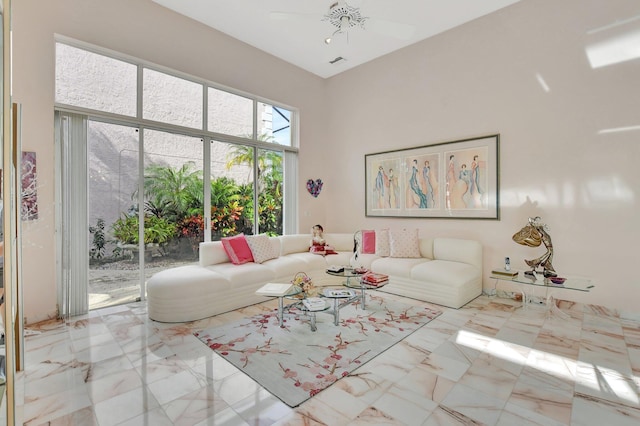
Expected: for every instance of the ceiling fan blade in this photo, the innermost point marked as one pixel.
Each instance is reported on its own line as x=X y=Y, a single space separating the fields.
x=388 y=28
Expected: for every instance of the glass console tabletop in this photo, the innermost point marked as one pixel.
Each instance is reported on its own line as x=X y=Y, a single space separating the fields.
x=580 y=284
x=538 y=280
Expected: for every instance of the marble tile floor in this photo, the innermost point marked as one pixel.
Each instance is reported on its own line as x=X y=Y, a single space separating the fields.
x=491 y=362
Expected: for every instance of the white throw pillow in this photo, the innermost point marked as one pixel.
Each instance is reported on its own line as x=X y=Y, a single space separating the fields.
x=261 y=248
x=382 y=242
x=404 y=243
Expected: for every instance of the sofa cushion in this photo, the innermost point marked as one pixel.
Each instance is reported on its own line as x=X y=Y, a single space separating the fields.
x=212 y=253
x=426 y=248
x=445 y=272
x=285 y=267
x=174 y=282
x=382 y=242
x=404 y=243
x=298 y=243
x=339 y=242
x=247 y=274
x=396 y=266
x=261 y=248
x=368 y=242
x=237 y=249
x=458 y=250
x=311 y=261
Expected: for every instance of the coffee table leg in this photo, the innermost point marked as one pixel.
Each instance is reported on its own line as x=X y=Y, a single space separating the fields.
x=362 y=297
x=281 y=311
x=336 y=312
x=312 y=317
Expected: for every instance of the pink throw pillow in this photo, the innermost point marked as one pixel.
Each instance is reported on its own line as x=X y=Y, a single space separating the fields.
x=237 y=249
x=368 y=242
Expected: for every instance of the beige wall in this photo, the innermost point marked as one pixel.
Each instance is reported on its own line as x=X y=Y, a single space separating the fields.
x=484 y=77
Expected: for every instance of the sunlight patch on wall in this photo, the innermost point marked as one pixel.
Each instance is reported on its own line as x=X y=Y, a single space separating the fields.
x=542 y=82
x=604 y=191
x=615 y=50
x=619 y=130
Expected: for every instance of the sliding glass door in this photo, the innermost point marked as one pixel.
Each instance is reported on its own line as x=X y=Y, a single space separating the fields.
x=173 y=199
x=112 y=159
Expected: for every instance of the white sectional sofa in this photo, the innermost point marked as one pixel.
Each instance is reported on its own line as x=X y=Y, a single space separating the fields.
x=215 y=285
x=449 y=272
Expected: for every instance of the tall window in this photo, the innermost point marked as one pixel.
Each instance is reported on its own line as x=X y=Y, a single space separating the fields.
x=205 y=163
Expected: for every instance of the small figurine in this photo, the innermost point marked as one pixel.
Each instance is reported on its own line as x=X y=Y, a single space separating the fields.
x=317 y=236
x=318 y=245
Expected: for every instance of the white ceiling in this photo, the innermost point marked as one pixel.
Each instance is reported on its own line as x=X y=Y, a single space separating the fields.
x=298 y=36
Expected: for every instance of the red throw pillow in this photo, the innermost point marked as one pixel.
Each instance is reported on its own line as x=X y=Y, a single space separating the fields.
x=237 y=249
x=368 y=242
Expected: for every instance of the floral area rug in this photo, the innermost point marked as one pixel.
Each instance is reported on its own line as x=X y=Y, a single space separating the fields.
x=294 y=363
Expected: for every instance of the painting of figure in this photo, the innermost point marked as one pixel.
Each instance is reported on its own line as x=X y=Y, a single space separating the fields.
x=386 y=186
x=466 y=179
x=421 y=173
x=456 y=179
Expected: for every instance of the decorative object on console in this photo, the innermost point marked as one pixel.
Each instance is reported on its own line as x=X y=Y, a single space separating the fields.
x=314 y=187
x=532 y=235
x=458 y=179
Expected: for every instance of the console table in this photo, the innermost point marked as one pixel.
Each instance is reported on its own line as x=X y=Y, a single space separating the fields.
x=537 y=280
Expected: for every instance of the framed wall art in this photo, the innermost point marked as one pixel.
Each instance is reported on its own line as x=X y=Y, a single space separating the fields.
x=457 y=180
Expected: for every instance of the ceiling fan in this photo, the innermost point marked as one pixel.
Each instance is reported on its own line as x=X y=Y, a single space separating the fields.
x=344 y=17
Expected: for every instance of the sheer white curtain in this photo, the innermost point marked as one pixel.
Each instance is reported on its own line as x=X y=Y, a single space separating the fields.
x=72 y=222
x=290 y=202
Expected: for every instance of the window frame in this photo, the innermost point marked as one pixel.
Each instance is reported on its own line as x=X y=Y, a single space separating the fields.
x=291 y=151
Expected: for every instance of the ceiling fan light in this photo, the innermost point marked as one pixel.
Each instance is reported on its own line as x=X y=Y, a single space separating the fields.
x=327 y=40
x=345 y=23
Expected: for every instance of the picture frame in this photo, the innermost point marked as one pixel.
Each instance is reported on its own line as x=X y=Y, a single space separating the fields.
x=450 y=180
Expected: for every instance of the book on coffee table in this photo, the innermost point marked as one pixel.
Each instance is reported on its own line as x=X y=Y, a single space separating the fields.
x=375 y=279
x=274 y=289
x=314 y=303
x=332 y=292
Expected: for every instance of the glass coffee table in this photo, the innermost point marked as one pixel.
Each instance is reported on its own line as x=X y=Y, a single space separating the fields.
x=341 y=298
x=348 y=273
x=363 y=287
x=294 y=296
